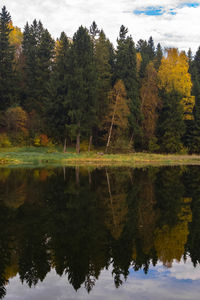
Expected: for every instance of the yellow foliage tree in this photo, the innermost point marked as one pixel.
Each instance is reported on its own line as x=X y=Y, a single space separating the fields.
x=16 y=119
x=117 y=117
x=138 y=60
x=173 y=75
x=16 y=37
x=149 y=103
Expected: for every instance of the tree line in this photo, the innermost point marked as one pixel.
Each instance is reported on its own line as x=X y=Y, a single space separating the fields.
x=84 y=92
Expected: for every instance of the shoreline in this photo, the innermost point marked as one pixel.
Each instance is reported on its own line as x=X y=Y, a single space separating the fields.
x=43 y=156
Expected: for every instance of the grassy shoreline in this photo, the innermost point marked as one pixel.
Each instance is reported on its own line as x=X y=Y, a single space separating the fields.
x=48 y=156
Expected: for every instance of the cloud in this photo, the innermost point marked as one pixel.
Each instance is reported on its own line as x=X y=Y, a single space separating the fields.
x=174 y=23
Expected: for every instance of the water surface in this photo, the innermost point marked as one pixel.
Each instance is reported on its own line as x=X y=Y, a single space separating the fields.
x=81 y=233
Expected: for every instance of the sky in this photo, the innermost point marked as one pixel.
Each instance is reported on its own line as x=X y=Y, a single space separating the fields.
x=173 y=23
x=180 y=282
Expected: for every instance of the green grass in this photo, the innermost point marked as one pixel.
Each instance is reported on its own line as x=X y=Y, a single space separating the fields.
x=55 y=156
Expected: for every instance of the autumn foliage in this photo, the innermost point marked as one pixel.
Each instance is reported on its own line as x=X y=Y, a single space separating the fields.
x=82 y=90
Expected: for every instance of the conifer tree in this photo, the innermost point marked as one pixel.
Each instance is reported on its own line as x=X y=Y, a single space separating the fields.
x=94 y=31
x=104 y=76
x=7 y=84
x=158 y=57
x=38 y=53
x=151 y=48
x=56 y=110
x=82 y=93
x=171 y=127
x=147 y=51
x=126 y=70
x=193 y=128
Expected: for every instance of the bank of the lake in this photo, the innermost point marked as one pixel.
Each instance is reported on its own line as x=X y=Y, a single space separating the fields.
x=55 y=156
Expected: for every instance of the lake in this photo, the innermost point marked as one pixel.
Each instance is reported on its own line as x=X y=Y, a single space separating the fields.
x=104 y=233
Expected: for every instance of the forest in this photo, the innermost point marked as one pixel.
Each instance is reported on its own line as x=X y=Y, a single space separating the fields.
x=86 y=93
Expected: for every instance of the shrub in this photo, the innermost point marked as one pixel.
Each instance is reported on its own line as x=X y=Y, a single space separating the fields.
x=153 y=146
x=84 y=146
x=42 y=140
x=4 y=140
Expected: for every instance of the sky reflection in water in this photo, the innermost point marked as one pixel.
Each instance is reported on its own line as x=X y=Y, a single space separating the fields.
x=181 y=281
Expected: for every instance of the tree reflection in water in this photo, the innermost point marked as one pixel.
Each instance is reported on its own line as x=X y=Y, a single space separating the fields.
x=80 y=221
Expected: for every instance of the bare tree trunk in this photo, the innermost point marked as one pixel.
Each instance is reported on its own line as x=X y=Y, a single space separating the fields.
x=65 y=146
x=77 y=176
x=90 y=144
x=78 y=143
x=131 y=140
x=111 y=125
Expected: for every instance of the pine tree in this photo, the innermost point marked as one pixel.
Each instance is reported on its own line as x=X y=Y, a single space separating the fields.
x=82 y=92
x=7 y=82
x=126 y=70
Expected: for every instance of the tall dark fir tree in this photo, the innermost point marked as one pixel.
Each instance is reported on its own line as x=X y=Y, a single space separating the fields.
x=7 y=82
x=82 y=92
x=171 y=126
x=193 y=136
x=56 y=108
x=38 y=52
x=126 y=70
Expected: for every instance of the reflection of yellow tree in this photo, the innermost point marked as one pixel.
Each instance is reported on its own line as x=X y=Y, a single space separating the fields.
x=170 y=242
x=116 y=209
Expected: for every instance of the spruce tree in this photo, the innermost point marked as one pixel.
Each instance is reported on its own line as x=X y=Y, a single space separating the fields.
x=147 y=51
x=7 y=83
x=158 y=57
x=38 y=54
x=171 y=127
x=151 y=48
x=82 y=93
x=126 y=70
x=104 y=76
x=56 y=110
x=193 y=128
x=45 y=57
